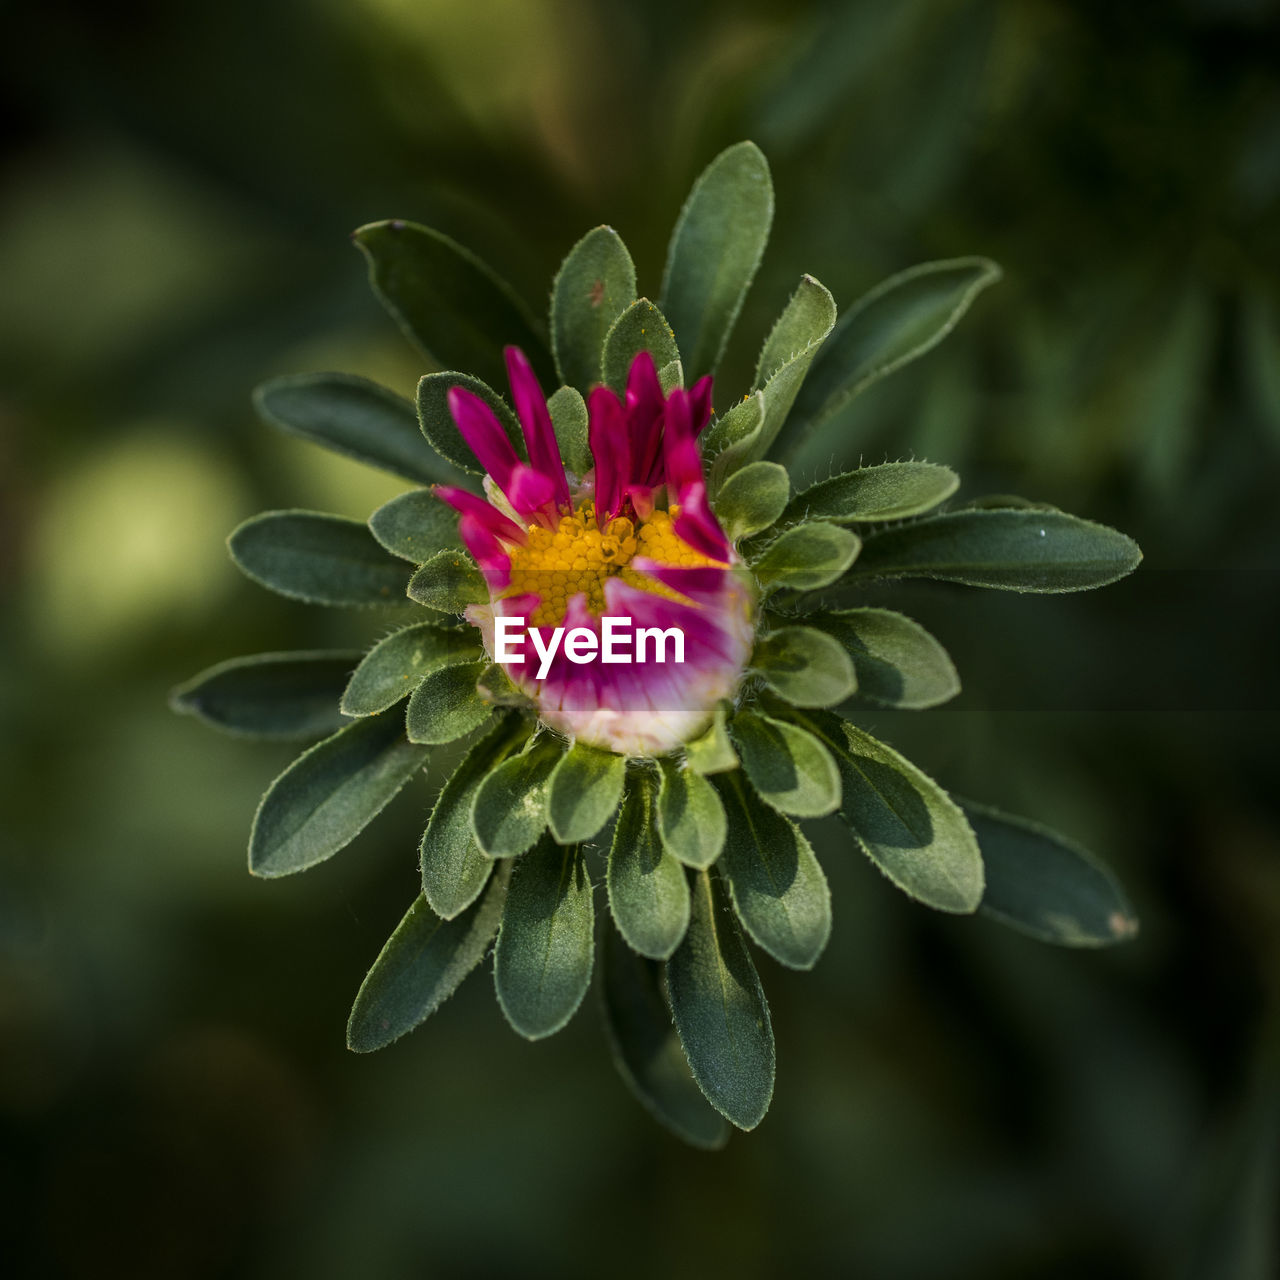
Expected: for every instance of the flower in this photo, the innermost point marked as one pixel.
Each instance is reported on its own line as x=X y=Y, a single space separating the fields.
x=634 y=538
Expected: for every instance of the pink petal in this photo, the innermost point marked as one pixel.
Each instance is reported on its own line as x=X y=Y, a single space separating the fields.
x=469 y=504
x=535 y=419
x=611 y=449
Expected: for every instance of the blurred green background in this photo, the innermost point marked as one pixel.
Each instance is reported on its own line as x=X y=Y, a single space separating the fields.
x=953 y=1100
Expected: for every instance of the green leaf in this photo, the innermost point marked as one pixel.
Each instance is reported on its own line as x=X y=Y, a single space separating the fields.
x=712 y=752
x=731 y=439
x=895 y=323
x=447 y=705
x=596 y=283
x=1040 y=551
x=648 y=893
x=806 y=557
x=641 y=327
x=788 y=766
x=542 y=963
x=329 y=794
x=421 y=966
x=752 y=499
x=898 y=663
x=805 y=667
x=569 y=418
x=448 y=582
x=1040 y=883
x=646 y=1049
x=717 y=244
x=777 y=886
x=454 y=869
x=270 y=695
x=910 y=828
x=720 y=1012
x=691 y=821
x=439 y=427
x=393 y=668
x=584 y=791
x=891 y=491
x=509 y=811
x=318 y=558
x=354 y=417
x=452 y=306
x=671 y=376
x=788 y=352
x=416 y=526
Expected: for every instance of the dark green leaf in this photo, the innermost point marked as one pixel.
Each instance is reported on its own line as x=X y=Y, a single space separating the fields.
x=326 y=797
x=392 y=669
x=542 y=965
x=646 y=1049
x=804 y=666
x=720 y=1011
x=648 y=893
x=910 y=828
x=455 y=309
x=806 y=557
x=752 y=499
x=454 y=869
x=422 y=965
x=595 y=285
x=584 y=791
x=788 y=766
x=641 y=327
x=447 y=705
x=448 y=582
x=318 y=558
x=891 y=491
x=1040 y=551
x=415 y=526
x=569 y=418
x=778 y=888
x=509 y=811
x=898 y=663
x=895 y=323
x=691 y=819
x=270 y=695
x=354 y=417
x=439 y=427
x=1041 y=883
x=711 y=751
x=731 y=439
x=715 y=249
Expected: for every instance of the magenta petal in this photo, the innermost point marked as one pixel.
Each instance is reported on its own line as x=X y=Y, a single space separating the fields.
x=487 y=552
x=698 y=582
x=607 y=436
x=535 y=419
x=698 y=526
x=468 y=504
x=483 y=433
x=700 y=404
x=529 y=491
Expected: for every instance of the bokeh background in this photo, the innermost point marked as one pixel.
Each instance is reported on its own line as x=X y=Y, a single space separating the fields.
x=178 y=185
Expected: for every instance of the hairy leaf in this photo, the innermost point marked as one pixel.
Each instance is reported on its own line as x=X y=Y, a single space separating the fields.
x=596 y=283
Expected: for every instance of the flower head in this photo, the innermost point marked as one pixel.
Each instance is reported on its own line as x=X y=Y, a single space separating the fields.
x=633 y=539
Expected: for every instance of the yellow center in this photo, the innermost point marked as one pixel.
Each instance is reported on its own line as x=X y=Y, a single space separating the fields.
x=577 y=557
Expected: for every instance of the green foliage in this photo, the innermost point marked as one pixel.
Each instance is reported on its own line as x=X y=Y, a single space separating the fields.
x=318 y=558
x=891 y=491
x=421 y=966
x=648 y=893
x=787 y=765
x=720 y=1012
x=354 y=417
x=898 y=663
x=806 y=667
x=646 y=1049
x=776 y=884
x=1012 y=550
x=641 y=327
x=1047 y=887
x=452 y=306
x=270 y=695
x=584 y=792
x=717 y=244
x=806 y=557
x=752 y=499
x=691 y=821
x=731 y=439
x=509 y=810
x=712 y=751
x=596 y=283
x=447 y=705
x=448 y=582
x=415 y=526
x=542 y=963
x=393 y=668
x=322 y=801
x=569 y=418
x=439 y=427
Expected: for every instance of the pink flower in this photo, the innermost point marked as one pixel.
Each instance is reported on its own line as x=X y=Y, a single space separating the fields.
x=634 y=540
